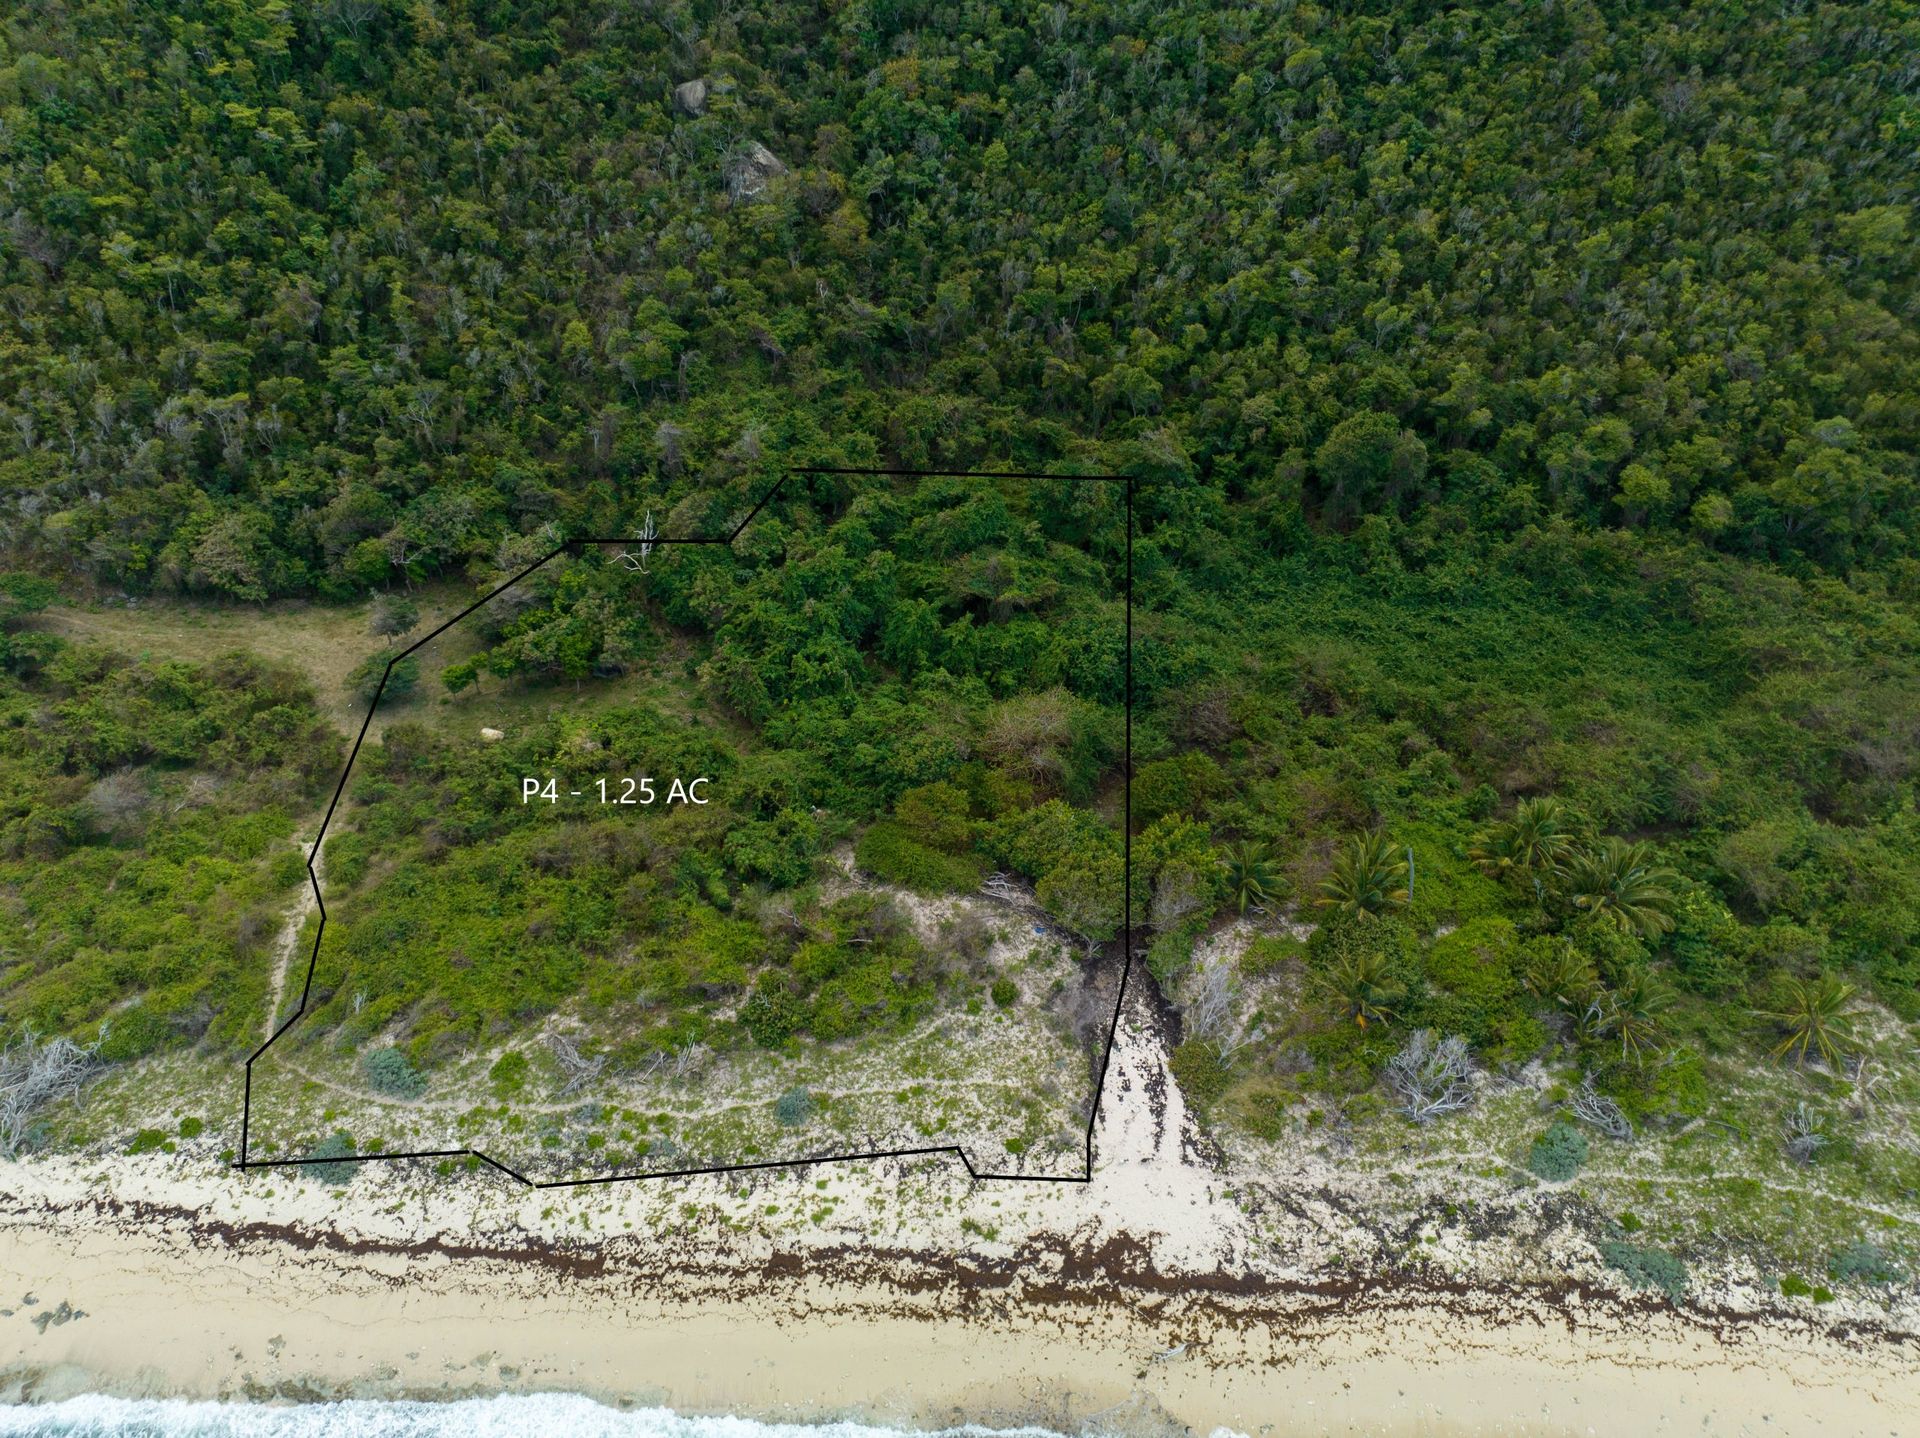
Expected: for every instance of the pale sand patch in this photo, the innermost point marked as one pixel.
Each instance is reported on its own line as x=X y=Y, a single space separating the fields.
x=1152 y=1291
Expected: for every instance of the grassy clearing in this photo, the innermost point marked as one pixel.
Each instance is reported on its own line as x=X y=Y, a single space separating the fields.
x=324 y=642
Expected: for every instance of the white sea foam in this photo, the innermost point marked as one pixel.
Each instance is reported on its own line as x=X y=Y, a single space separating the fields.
x=93 y=1416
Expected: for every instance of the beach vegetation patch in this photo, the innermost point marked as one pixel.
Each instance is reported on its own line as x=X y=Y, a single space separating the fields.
x=1202 y=1073
x=331 y=1150
x=794 y=1107
x=388 y=1071
x=1647 y=1267
x=1864 y=1261
x=150 y=1140
x=508 y=1074
x=1558 y=1154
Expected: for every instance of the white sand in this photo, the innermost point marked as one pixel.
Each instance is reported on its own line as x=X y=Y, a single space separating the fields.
x=1154 y=1295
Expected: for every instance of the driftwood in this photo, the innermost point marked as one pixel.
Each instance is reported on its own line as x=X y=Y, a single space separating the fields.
x=35 y=1072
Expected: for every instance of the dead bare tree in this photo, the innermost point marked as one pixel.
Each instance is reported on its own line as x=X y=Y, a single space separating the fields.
x=35 y=1072
x=1431 y=1078
x=1867 y=1081
x=1212 y=1008
x=1591 y=1106
x=1002 y=887
x=579 y=1069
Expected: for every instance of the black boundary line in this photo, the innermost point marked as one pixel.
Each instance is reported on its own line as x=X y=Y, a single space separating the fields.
x=1126 y=919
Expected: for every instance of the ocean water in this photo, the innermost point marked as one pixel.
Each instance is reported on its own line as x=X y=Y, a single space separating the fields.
x=502 y=1417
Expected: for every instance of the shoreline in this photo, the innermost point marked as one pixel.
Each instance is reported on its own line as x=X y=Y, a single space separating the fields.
x=168 y=1305
x=1169 y=1295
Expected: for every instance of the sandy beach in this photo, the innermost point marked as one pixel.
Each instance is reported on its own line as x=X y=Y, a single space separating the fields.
x=1153 y=1300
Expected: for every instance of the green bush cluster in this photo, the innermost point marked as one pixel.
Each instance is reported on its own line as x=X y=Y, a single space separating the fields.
x=144 y=841
x=508 y=1074
x=390 y=1072
x=794 y=1107
x=889 y=852
x=336 y=1145
x=1864 y=1261
x=1558 y=1154
x=1202 y=1074
x=1647 y=1267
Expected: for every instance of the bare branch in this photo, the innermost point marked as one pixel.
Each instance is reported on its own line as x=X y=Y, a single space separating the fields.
x=1591 y=1106
x=579 y=1069
x=35 y=1072
x=1431 y=1078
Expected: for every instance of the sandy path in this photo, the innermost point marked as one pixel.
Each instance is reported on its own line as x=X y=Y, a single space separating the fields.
x=288 y=939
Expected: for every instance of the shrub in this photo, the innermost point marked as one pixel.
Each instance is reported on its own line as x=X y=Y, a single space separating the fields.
x=365 y=679
x=771 y=1016
x=1559 y=1153
x=1005 y=992
x=1647 y=1268
x=794 y=1107
x=896 y=856
x=1201 y=1072
x=333 y=1146
x=936 y=817
x=148 y=1140
x=508 y=1074
x=389 y=1072
x=1472 y=970
x=778 y=851
x=192 y=1127
x=1794 y=1286
x=1171 y=952
x=1863 y=1262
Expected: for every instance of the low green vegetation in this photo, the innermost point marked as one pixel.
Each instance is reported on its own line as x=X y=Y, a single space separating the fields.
x=1557 y=1155
x=334 y=1146
x=1864 y=1262
x=1647 y=1267
x=145 y=840
x=389 y=1072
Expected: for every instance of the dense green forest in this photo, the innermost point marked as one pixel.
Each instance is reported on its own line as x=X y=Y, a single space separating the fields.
x=1522 y=402
x=307 y=298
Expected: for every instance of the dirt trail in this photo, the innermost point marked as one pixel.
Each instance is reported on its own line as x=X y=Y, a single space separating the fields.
x=288 y=939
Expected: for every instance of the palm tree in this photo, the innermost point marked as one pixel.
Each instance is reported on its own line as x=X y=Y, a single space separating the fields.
x=1361 y=985
x=1812 y=1013
x=1367 y=876
x=1633 y=1015
x=1535 y=843
x=1251 y=875
x=1563 y=978
x=1622 y=884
